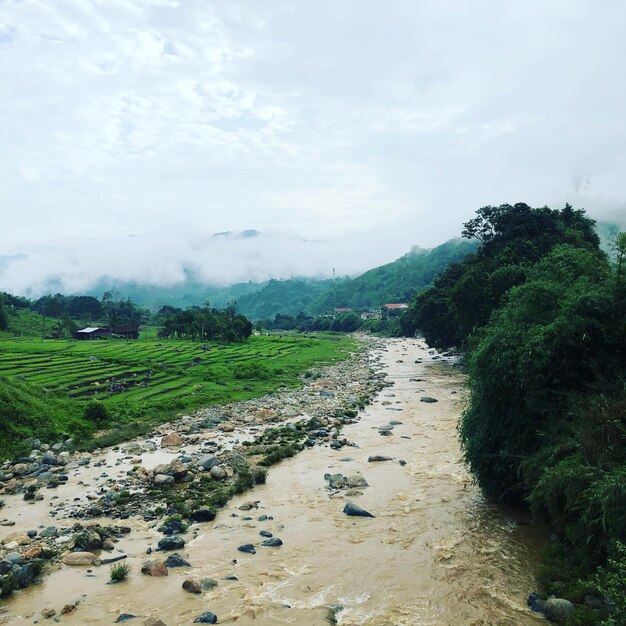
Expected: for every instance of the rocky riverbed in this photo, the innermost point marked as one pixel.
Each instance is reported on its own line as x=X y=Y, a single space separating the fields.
x=373 y=521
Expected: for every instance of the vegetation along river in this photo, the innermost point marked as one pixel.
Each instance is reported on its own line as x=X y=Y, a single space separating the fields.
x=434 y=554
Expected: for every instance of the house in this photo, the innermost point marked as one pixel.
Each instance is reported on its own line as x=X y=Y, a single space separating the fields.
x=126 y=331
x=394 y=309
x=395 y=306
x=121 y=331
x=370 y=315
x=92 y=333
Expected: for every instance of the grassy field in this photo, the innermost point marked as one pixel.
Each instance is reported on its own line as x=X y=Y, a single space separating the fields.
x=153 y=379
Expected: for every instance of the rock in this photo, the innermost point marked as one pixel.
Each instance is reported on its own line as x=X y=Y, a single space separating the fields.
x=428 y=399
x=49 y=458
x=273 y=542
x=203 y=514
x=266 y=533
x=206 y=618
x=164 y=479
x=356 y=481
x=208 y=584
x=49 y=533
x=557 y=609
x=218 y=473
x=33 y=553
x=355 y=510
x=377 y=458
x=67 y=609
x=26 y=574
x=174 y=542
x=247 y=547
x=175 y=468
x=125 y=617
x=89 y=540
x=192 y=586
x=79 y=558
x=154 y=621
x=208 y=462
x=535 y=603
x=248 y=506
x=48 y=613
x=175 y=560
x=154 y=568
x=171 y=441
x=336 y=481
x=5 y=567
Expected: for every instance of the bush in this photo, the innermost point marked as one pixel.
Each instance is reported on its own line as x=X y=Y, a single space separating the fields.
x=95 y=412
x=119 y=572
x=253 y=370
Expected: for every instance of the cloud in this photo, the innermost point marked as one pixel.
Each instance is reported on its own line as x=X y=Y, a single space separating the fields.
x=350 y=123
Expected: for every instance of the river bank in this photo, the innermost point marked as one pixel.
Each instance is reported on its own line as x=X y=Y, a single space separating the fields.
x=434 y=553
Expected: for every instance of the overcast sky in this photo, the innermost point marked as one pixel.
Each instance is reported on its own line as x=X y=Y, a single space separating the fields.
x=345 y=130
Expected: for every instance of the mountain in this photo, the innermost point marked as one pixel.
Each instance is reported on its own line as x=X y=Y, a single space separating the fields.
x=288 y=297
x=394 y=282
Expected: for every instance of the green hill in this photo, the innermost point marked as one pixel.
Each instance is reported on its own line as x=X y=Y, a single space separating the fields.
x=288 y=297
x=27 y=410
x=394 y=282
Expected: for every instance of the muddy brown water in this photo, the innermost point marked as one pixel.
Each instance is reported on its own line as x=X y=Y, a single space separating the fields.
x=435 y=554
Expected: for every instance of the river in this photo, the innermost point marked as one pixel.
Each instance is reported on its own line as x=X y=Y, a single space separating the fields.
x=434 y=554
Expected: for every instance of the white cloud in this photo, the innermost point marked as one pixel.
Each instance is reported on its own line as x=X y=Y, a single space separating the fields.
x=393 y=121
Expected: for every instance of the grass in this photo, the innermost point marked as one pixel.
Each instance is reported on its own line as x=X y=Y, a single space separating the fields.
x=119 y=572
x=141 y=383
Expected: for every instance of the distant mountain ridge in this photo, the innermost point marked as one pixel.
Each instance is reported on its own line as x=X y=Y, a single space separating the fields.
x=397 y=281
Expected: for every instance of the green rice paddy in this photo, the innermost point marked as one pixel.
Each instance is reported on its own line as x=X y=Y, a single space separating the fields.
x=132 y=377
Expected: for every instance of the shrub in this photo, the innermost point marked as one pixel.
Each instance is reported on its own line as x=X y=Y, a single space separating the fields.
x=95 y=412
x=252 y=370
x=119 y=572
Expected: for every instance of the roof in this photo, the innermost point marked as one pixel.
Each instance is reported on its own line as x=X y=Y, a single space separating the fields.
x=342 y=310
x=90 y=329
x=397 y=305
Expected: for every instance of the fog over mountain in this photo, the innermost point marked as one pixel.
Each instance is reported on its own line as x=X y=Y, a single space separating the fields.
x=344 y=132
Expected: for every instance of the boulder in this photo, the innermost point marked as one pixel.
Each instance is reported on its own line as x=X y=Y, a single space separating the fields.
x=248 y=548
x=171 y=441
x=557 y=609
x=164 y=479
x=79 y=558
x=154 y=568
x=428 y=399
x=174 y=542
x=218 y=473
x=272 y=542
x=355 y=510
x=356 y=481
x=192 y=586
x=377 y=458
x=175 y=560
x=206 y=618
x=175 y=468
x=203 y=514
x=208 y=461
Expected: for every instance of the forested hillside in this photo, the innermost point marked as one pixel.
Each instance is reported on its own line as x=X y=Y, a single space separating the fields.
x=394 y=282
x=540 y=310
x=288 y=297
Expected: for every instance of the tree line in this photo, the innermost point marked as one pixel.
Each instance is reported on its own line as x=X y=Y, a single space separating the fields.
x=540 y=312
x=204 y=323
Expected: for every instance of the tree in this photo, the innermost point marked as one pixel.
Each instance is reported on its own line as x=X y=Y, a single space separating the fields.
x=619 y=251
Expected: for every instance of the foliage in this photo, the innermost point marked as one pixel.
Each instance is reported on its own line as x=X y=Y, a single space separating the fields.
x=252 y=370
x=119 y=572
x=513 y=239
x=206 y=324
x=95 y=412
x=27 y=411
x=394 y=282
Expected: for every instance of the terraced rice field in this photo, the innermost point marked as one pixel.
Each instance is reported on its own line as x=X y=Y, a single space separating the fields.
x=163 y=373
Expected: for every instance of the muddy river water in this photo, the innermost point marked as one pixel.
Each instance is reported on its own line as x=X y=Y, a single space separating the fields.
x=434 y=554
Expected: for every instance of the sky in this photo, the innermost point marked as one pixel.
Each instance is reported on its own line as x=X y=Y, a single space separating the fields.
x=345 y=131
